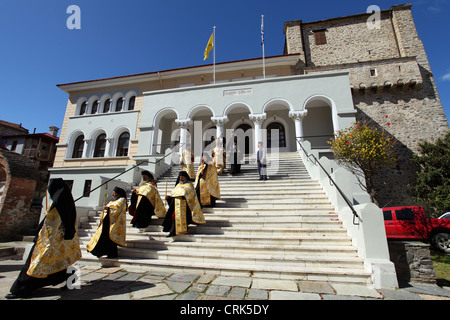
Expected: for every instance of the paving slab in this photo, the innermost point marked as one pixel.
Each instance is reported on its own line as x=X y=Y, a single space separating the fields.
x=315 y=287
x=233 y=281
x=92 y=276
x=198 y=287
x=206 y=278
x=158 y=289
x=219 y=291
x=274 y=284
x=167 y=297
x=237 y=293
x=290 y=295
x=130 y=277
x=356 y=290
x=182 y=277
x=115 y=276
x=428 y=289
x=338 y=297
x=395 y=294
x=121 y=297
x=109 y=270
x=178 y=286
x=257 y=294
x=189 y=296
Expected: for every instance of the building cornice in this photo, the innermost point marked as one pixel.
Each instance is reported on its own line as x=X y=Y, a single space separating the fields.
x=249 y=64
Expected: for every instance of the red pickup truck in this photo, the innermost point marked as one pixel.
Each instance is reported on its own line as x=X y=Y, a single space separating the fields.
x=409 y=223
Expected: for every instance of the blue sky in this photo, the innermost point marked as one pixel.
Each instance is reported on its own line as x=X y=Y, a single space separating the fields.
x=38 y=51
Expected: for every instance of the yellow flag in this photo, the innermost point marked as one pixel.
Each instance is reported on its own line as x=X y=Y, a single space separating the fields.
x=209 y=46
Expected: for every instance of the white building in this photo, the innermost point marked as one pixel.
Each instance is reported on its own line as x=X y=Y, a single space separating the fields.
x=112 y=124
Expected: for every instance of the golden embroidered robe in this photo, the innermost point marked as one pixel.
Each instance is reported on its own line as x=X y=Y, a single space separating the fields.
x=51 y=252
x=117 y=224
x=149 y=191
x=145 y=201
x=184 y=197
x=208 y=182
x=187 y=161
x=219 y=158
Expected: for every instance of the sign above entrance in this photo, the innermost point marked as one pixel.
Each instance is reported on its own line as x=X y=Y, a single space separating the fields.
x=237 y=92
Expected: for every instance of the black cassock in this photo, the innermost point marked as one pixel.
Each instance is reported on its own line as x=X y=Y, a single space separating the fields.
x=169 y=221
x=105 y=246
x=65 y=205
x=142 y=215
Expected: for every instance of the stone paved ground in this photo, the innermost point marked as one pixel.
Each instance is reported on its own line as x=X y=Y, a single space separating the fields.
x=117 y=283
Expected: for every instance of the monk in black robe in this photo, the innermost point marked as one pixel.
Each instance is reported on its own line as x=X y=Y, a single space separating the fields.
x=184 y=207
x=112 y=229
x=207 y=183
x=146 y=202
x=56 y=245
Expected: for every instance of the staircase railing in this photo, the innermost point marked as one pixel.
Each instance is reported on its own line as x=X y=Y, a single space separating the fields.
x=122 y=173
x=332 y=182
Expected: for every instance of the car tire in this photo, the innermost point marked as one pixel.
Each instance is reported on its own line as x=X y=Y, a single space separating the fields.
x=441 y=241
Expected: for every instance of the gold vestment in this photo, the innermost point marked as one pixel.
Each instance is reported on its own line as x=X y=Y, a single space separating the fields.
x=51 y=253
x=209 y=184
x=149 y=191
x=117 y=224
x=184 y=194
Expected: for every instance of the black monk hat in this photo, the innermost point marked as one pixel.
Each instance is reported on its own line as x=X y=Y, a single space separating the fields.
x=120 y=192
x=147 y=173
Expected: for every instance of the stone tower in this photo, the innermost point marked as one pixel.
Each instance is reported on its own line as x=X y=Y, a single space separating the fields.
x=391 y=81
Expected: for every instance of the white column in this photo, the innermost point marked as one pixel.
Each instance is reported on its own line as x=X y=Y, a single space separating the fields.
x=183 y=133
x=257 y=121
x=298 y=117
x=219 y=122
x=87 y=142
x=108 y=147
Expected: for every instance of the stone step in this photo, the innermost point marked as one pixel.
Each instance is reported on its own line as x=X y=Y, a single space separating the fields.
x=266 y=258
x=280 y=271
x=233 y=239
x=284 y=228
x=251 y=221
x=248 y=230
x=313 y=250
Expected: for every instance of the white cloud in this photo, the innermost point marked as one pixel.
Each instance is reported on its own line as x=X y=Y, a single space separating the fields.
x=446 y=77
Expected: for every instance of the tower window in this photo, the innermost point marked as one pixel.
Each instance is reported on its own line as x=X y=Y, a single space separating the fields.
x=320 y=37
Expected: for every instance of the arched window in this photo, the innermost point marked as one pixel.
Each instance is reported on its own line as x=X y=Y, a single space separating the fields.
x=281 y=134
x=107 y=106
x=83 y=108
x=100 y=146
x=78 y=147
x=132 y=103
x=94 y=107
x=119 y=105
x=123 y=145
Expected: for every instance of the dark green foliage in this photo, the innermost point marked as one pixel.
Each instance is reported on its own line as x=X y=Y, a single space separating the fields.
x=433 y=181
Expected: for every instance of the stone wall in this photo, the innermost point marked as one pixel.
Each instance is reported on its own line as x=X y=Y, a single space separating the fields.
x=412 y=261
x=401 y=97
x=18 y=176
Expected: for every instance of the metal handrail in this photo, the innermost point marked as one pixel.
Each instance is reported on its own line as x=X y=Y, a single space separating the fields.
x=333 y=183
x=88 y=193
x=159 y=160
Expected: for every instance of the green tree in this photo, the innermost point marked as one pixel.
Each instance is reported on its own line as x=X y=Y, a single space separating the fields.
x=363 y=149
x=433 y=180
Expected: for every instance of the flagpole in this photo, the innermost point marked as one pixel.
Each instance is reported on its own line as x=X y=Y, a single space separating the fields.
x=214 y=54
x=262 y=43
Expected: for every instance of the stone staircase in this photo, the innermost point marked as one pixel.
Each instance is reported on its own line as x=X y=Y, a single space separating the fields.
x=283 y=228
